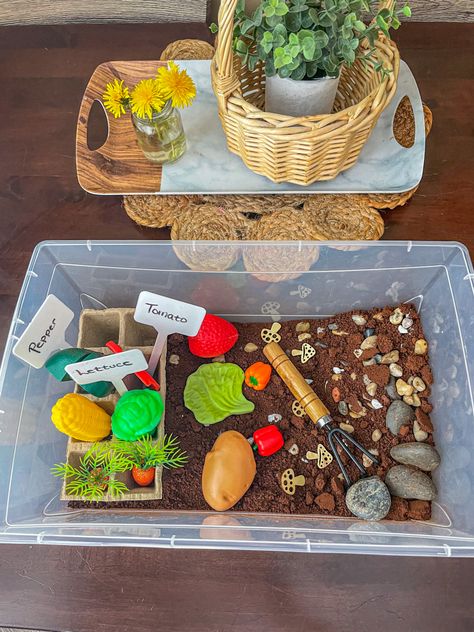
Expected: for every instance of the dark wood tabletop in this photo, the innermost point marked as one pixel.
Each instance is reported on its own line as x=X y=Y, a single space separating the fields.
x=43 y=72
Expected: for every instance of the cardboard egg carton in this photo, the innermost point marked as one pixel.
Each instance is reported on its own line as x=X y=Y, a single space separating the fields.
x=96 y=327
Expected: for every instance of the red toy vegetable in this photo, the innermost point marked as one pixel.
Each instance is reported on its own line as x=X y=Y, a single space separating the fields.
x=258 y=375
x=268 y=440
x=143 y=477
x=215 y=337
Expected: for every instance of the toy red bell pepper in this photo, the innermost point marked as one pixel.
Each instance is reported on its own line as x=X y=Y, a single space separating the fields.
x=268 y=440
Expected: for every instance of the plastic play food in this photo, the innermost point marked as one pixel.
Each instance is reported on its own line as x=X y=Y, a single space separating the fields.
x=136 y=414
x=79 y=418
x=258 y=375
x=214 y=392
x=215 y=337
x=143 y=477
x=58 y=361
x=268 y=440
x=229 y=470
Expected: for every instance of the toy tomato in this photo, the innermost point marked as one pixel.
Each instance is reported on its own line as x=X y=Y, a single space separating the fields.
x=258 y=375
x=268 y=440
x=143 y=477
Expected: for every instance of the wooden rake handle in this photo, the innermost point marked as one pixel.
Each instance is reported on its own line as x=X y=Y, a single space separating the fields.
x=301 y=390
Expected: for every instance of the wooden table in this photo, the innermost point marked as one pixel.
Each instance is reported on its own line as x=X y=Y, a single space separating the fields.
x=43 y=73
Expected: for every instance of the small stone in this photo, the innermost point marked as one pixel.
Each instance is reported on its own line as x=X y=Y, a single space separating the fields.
x=335 y=377
x=370 y=362
x=408 y=482
x=320 y=344
x=420 y=455
x=325 y=501
x=319 y=482
x=274 y=418
x=332 y=326
x=367 y=461
x=398 y=415
x=174 y=358
x=308 y=380
x=376 y=435
x=369 y=343
x=410 y=380
x=378 y=358
x=391 y=357
x=294 y=449
x=358 y=352
x=395 y=370
x=391 y=389
x=378 y=316
x=346 y=427
x=340 y=333
x=340 y=476
x=403 y=388
x=376 y=405
x=421 y=347
x=424 y=421
x=369 y=332
x=337 y=370
x=343 y=408
x=320 y=330
x=303 y=337
x=407 y=322
x=311 y=456
x=402 y=329
x=353 y=376
x=250 y=347
x=302 y=327
x=220 y=358
x=336 y=394
x=419 y=434
x=371 y=388
x=418 y=384
x=416 y=400
x=396 y=316
x=369 y=499
x=366 y=379
x=359 y=320
x=408 y=399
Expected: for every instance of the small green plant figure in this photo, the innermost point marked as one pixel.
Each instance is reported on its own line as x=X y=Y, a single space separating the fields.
x=146 y=454
x=93 y=478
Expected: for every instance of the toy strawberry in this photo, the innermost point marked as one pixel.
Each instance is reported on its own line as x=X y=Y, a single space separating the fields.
x=215 y=337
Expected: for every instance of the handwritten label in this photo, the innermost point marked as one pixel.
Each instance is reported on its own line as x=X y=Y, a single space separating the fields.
x=45 y=334
x=167 y=316
x=111 y=368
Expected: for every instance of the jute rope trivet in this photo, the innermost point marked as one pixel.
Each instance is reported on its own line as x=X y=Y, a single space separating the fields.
x=267 y=217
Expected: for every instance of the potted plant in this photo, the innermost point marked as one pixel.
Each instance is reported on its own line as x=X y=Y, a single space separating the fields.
x=304 y=44
x=94 y=476
x=147 y=454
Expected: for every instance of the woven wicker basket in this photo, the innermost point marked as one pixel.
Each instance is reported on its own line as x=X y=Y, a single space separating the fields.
x=306 y=149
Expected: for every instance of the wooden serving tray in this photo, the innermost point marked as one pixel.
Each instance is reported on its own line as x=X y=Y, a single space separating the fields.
x=119 y=165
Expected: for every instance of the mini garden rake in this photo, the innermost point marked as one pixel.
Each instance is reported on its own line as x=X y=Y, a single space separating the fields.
x=309 y=402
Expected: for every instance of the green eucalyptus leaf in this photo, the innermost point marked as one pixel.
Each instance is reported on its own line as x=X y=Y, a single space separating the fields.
x=270 y=70
x=311 y=69
x=241 y=47
x=257 y=15
x=300 y=72
x=406 y=11
x=284 y=72
x=214 y=392
x=246 y=26
x=293 y=22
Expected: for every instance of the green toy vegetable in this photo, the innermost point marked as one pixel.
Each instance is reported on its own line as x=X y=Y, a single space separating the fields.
x=136 y=414
x=214 y=392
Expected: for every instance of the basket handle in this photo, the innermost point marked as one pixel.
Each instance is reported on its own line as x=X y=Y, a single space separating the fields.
x=226 y=80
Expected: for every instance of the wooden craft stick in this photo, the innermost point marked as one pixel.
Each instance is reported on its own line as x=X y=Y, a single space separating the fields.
x=302 y=391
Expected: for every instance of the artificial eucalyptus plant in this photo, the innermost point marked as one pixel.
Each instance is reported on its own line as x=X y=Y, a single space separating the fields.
x=303 y=39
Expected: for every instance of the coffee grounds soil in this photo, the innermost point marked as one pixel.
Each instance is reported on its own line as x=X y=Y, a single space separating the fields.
x=323 y=493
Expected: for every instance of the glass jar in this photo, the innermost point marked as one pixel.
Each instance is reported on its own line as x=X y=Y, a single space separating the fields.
x=161 y=138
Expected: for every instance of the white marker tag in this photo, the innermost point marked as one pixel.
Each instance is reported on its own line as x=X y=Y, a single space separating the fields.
x=45 y=334
x=167 y=316
x=111 y=368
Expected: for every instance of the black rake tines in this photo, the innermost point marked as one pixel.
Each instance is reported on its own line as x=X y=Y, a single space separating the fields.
x=342 y=438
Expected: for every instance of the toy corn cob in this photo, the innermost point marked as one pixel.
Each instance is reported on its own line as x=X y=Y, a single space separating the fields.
x=81 y=419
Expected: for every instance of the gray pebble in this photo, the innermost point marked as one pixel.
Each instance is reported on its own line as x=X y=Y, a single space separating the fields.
x=391 y=389
x=332 y=326
x=369 y=499
x=420 y=455
x=369 y=332
x=407 y=482
x=378 y=358
x=398 y=414
x=342 y=408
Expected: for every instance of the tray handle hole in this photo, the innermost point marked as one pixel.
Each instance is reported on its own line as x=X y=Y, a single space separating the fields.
x=404 y=123
x=97 y=127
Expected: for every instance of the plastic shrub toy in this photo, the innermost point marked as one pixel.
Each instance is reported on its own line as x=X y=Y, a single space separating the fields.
x=214 y=392
x=94 y=477
x=79 y=418
x=147 y=454
x=258 y=375
x=136 y=414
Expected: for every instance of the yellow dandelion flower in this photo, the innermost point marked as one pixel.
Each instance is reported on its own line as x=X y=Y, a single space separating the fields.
x=146 y=98
x=116 y=97
x=176 y=85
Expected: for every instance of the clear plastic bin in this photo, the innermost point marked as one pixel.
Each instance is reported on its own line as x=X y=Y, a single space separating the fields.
x=438 y=277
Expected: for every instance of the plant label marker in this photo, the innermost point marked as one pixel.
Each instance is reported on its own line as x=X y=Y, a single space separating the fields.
x=45 y=334
x=111 y=368
x=167 y=316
